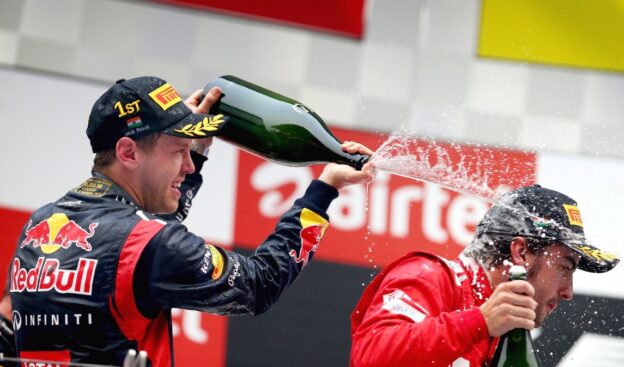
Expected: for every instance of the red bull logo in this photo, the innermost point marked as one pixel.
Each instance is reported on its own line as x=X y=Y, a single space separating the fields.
x=314 y=227
x=58 y=232
x=47 y=276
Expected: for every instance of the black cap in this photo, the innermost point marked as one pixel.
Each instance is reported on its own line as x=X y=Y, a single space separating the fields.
x=545 y=215
x=145 y=105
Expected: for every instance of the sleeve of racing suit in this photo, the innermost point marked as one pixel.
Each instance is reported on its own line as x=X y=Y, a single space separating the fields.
x=178 y=269
x=411 y=320
x=190 y=187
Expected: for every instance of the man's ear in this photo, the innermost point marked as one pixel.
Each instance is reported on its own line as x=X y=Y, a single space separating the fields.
x=126 y=152
x=519 y=249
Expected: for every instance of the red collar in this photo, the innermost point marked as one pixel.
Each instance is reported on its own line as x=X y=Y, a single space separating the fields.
x=479 y=282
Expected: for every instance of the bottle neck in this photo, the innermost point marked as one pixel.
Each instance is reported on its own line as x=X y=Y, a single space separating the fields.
x=356 y=161
x=518 y=336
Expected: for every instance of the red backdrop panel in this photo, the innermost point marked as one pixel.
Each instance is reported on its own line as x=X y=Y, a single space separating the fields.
x=199 y=338
x=12 y=222
x=345 y=17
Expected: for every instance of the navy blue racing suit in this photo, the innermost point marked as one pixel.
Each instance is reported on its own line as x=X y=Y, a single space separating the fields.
x=94 y=275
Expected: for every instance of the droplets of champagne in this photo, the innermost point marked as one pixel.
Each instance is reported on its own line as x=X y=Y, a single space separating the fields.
x=406 y=154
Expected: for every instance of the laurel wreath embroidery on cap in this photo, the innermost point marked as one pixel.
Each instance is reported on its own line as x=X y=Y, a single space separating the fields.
x=208 y=124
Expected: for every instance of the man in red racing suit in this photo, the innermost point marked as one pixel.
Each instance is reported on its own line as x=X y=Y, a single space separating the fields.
x=424 y=310
x=395 y=314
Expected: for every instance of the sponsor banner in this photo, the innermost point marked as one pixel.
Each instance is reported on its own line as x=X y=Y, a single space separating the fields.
x=199 y=338
x=12 y=222
x=570 y=33
x=372 y=225
x=344 y=17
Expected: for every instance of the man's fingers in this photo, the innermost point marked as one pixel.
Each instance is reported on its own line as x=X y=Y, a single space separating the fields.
x=500 y=318
x=353 y=148
x=211 y=97
x=361 y=177
x=193 y=100
x=195 y=95
x=198 y=103
x=519 y=287
x=522 y=312
x=521 y=322
x=339 y=175
x=369 y=167
x=510 y=306
x=515 y=299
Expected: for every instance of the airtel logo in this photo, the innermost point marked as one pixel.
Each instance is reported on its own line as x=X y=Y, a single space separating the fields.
x=405 y=210
x=390 y=211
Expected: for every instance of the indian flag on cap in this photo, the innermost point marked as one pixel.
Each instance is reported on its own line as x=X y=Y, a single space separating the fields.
x=134 y=122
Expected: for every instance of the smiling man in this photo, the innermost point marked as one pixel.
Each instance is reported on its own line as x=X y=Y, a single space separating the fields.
x=97 y=272
x=424 y=310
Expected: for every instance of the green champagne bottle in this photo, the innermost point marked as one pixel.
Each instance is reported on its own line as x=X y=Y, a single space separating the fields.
x=276 y=127
x=515 y=348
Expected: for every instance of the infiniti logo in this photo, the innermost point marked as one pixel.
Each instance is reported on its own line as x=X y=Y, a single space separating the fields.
x=17 y=320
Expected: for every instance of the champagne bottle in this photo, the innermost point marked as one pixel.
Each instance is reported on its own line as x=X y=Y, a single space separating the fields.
x=276 y=127
x=515 y=348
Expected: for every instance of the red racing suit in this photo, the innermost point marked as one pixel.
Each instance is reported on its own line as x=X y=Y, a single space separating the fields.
x=94 y=275
x=422 y=310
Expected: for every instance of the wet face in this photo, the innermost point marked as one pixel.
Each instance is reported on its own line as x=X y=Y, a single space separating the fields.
x=162 y=170
x=550 y=272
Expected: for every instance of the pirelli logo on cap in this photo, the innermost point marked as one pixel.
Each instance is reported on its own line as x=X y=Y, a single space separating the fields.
x=574 y=215
x=165 y=96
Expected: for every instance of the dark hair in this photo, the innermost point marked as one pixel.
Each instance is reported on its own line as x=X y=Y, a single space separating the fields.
x=105 y=158
x=491 y=251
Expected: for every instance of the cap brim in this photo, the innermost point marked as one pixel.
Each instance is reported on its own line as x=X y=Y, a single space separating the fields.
x=197 y=126
x=593 y=259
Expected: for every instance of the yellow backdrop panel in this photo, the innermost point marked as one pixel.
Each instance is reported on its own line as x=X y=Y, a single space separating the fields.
x=580 y=33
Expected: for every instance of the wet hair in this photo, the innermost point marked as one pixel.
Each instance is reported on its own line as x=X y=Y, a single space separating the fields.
x=491 y=251
x=105 y=158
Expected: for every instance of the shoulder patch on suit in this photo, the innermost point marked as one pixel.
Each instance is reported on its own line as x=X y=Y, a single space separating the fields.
x=217 y=262
x=460 y=275
x=93 y=186
x=313 y=227
x=399 y=303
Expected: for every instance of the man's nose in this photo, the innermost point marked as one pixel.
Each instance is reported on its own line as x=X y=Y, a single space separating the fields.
x=188 y=166
x=567 y=290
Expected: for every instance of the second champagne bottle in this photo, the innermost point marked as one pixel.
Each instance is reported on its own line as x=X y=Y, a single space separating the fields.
x=515 y=348
x=276 y=127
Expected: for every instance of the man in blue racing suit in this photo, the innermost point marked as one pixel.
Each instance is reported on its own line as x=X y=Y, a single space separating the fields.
x=97 y=272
